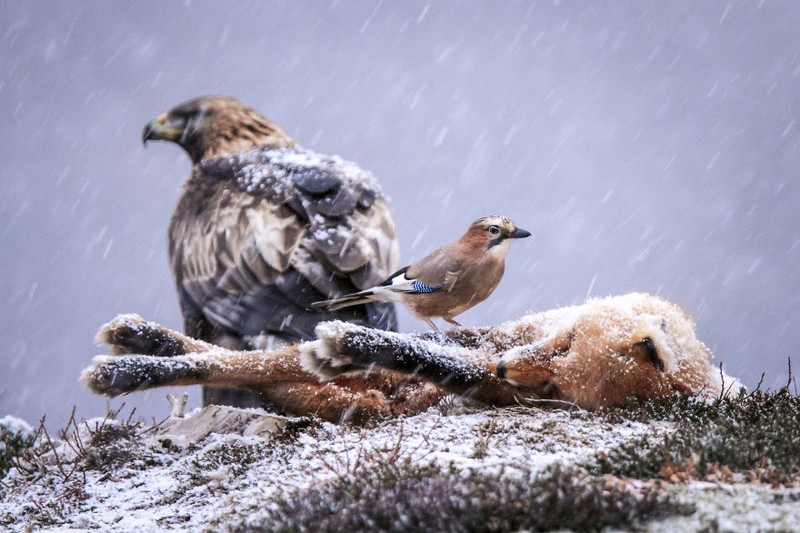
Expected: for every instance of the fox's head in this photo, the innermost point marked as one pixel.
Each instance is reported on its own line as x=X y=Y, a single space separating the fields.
x=611 y=349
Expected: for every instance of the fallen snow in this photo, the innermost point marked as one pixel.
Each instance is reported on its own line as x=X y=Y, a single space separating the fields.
x=172 y=482
x=13 y=424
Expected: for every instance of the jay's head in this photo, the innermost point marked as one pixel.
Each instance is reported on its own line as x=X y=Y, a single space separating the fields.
x=494 y=233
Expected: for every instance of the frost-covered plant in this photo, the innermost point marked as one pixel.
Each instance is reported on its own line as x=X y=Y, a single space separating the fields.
x=15 y=436
x=432 y=499
x=232 y=455
x=755 y=434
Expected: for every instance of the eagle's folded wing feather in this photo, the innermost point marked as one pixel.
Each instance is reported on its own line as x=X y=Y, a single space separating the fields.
x=289 y=228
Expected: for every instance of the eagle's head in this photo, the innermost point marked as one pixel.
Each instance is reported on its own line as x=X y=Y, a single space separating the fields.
x=213 y=126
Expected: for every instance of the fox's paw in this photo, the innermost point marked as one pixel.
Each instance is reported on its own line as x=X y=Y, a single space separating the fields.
x=131 y=334
x=324 y=357
x=113 y=376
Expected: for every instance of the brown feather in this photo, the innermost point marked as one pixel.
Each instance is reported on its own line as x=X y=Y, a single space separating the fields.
x=264 y=227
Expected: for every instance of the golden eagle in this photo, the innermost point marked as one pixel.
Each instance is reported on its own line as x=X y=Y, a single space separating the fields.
x=264 y=228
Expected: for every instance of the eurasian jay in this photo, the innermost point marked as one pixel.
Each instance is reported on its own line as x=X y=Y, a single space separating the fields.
x=449 y=281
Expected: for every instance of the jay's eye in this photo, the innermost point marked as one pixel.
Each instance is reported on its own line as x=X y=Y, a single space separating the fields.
x=494 y=230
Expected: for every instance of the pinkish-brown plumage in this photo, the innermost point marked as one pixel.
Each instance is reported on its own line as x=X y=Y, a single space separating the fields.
x=449 y=281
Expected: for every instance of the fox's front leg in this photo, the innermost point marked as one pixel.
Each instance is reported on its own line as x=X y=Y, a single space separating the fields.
x=344 y=347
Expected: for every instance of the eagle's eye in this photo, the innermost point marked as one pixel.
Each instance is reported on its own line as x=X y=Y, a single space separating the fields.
x=178 y=120
x=494 y=230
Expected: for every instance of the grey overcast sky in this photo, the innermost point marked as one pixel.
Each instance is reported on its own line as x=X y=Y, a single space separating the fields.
x=649 y=146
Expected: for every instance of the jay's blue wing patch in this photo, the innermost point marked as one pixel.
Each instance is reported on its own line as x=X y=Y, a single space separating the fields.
x=418 y=286
x=398 y=282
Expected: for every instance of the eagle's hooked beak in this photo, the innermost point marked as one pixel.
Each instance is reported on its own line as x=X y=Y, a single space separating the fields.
x=158 y=130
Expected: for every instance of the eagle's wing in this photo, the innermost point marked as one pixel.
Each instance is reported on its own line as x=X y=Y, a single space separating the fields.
x=258 y=236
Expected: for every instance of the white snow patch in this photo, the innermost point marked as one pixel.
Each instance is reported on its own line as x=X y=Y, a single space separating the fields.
x=14 y=425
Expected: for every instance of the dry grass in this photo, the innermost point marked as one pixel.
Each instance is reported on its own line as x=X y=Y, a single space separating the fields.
x=63 y=461
x=431 y=499
x=752 y=436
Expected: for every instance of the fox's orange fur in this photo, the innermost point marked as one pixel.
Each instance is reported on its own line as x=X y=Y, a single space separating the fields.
x=606 y=350
x=593 y=355
x=173 y=359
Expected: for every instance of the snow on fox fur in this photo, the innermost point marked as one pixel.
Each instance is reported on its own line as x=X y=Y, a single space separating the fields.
x=593 y=355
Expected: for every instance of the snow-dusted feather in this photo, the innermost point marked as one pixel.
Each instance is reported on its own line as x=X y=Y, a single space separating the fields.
x=264 y=227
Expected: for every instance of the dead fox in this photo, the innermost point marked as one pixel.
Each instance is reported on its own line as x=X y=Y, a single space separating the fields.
x=592 y=355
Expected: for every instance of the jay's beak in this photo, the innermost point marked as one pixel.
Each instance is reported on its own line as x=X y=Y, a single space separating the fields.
x=519 y=233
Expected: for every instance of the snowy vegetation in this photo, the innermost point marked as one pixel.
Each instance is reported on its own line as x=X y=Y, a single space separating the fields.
x=679 y=464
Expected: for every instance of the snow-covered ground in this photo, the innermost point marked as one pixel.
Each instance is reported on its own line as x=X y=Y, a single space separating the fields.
x=179 y=476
